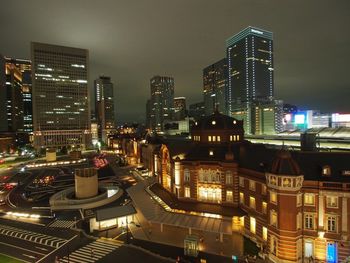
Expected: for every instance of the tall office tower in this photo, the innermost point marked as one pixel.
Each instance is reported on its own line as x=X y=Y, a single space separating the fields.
x=196 y=110
x=179 y=108
x=3 y=109
x=25 y=66
x=162 y=101
x=104 y=107
x=11 y=97
x=214 y=87
x=61 y=114
x=250 y=71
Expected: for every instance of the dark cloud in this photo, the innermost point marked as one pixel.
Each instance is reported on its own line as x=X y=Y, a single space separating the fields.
x=133 y=40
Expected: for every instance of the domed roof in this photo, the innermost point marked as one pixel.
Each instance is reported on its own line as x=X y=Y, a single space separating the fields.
x=217 y=121
x=284 y=164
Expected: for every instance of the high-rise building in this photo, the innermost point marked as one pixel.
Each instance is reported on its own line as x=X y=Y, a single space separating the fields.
x=61 y=114
x=162 y=101
x=12 y=97
x=196 y=110
x=104 y=106
x=250 y=71
x=3 y=100
x=214 y=87
x=25 y=67
x=179 y=108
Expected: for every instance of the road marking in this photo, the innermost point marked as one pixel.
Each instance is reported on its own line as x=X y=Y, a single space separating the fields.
x=6 y=244
x=42 y=248
x=57 y=248
x=30 y=256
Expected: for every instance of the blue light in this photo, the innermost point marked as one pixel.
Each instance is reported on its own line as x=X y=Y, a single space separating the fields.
x=331 y=253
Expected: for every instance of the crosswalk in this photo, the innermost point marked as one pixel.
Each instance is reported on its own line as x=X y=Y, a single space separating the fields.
x=92 y=252
x=62 y=224
x=31 y=236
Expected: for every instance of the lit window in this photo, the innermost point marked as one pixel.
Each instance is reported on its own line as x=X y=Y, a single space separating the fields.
x=229 y=196
x=332 y=201
x=241 y=181
x=187 y=175
x=273 y=218
x=241 y=198
x=309 y=199
x=237 y=137
x=251 y=185
x=273 y=197
x=230 y=138
x=264 y=207
x=229 y=177
x=252 y=225
x=264 y=233
x=214 y=138
x=187 y=192
x=209 y=138
x=326 y=170
x=263 y=189
x=309 y=221
x=211 y=153
x=331 y=223
x=219 y=138
x=252 y=202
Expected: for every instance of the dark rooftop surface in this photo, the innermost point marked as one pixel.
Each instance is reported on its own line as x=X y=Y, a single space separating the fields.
x=174 y=203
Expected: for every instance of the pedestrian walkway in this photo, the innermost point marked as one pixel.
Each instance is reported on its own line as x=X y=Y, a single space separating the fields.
x=62 y=224
x=31 y=236
x=92 y=252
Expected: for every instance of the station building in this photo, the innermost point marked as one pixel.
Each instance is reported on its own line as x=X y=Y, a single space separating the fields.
x=292 y=204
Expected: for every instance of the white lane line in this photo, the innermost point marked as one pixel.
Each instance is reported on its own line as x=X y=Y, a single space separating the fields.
x=29 y=256
x=42 y=248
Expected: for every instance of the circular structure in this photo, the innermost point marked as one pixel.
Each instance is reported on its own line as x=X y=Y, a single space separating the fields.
x=86 y=183
x=51 y=155
x=64 y=200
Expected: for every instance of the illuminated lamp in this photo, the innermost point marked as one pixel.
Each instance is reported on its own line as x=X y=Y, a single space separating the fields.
x=321 y=234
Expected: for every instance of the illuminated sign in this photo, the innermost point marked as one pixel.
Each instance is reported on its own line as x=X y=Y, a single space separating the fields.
x=288 y=117
x=336 y=117
x=299 y=119
x=257 y=31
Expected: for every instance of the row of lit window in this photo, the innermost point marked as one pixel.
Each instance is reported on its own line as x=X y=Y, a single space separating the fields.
x=252 y=228
x=252 y=203
x=216 y=197
x=252 y=185
x=310 y=222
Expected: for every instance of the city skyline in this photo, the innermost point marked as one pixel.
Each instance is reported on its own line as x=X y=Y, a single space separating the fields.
x=304 y=73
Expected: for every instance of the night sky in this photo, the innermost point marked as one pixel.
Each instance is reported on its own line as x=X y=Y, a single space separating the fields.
x=133 y=40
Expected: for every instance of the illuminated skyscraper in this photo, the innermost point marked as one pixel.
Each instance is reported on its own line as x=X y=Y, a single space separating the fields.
x=60 y=96
x=179 y=108
x=25 y=66
x=11 y=97
x=214 y=87
x=104 y=106
x=162 y=101
x=250 y=71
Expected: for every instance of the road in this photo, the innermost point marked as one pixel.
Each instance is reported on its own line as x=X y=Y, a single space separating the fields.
x=32 y=243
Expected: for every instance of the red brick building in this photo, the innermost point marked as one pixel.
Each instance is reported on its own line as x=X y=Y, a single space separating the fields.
x=294 y=205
